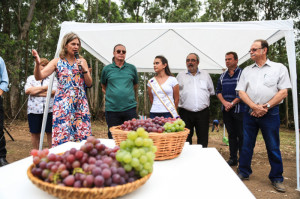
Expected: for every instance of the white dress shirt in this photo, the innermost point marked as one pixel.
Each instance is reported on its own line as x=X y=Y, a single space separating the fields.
x=195 y=90
x=262 y=83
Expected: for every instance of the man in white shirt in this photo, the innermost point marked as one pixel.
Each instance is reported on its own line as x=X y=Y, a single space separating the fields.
x=262 y=86
x=195 y=89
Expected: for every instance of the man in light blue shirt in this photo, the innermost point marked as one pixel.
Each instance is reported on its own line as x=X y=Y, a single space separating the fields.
x=3 y=88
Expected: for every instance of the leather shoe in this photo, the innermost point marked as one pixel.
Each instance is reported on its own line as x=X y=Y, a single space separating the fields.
x=278 y=186
x=232 y=162
x=243 y=177
x=3 y=162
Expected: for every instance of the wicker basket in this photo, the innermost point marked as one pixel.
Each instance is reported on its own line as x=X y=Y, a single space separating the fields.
x=169 y=145
x=86 y=193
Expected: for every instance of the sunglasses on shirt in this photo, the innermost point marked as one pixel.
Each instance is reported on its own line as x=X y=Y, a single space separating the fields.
x=119 y=51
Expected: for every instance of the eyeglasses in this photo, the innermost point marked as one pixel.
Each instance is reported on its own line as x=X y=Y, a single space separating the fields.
x=192 y=60
x=254 y=49
x=119 y=51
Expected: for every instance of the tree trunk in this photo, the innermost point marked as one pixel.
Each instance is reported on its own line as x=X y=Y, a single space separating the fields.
x=16 y=67
x=109 y=12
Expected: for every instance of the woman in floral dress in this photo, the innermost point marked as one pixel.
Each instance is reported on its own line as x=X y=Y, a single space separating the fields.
x=71 y=115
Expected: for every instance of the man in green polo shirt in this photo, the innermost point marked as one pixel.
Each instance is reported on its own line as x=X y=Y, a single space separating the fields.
x=119 y=81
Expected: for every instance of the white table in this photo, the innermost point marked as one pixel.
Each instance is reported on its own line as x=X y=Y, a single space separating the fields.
x=196 y=173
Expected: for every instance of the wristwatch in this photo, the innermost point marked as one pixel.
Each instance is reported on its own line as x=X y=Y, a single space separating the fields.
x=268 y=105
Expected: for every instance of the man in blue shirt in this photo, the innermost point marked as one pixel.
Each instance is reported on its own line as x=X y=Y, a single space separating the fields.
x=3 y=88
x=232 y=107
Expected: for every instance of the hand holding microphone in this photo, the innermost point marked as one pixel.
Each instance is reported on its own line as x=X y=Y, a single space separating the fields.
x=77 y=57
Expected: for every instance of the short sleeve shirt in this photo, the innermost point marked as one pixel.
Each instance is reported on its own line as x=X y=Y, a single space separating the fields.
x=167 y=86
x=262 y=83
x=119 y=82
x=195 y=90
x=36 y=104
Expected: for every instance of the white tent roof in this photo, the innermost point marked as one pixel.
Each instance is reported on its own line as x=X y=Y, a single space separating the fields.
x=175 y=41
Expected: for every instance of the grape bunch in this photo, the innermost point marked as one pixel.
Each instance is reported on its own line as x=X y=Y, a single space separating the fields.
x=94 y=165
x=151 y=125
x=176 y=126
x=137 y=152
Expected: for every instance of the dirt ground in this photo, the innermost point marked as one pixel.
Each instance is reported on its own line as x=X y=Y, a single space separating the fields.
x=258 y=184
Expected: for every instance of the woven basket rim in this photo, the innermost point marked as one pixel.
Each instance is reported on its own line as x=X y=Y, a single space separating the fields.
x=117 y=129
x=40 y=183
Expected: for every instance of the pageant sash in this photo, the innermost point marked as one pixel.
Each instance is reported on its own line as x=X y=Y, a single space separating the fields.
x=163 y=97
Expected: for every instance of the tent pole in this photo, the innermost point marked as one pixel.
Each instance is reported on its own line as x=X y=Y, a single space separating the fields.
x=45 y=116
x=290 y=48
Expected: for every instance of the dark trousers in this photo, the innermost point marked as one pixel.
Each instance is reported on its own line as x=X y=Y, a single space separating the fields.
x=234 y=126
x=2 y=137
x=118 y=118
x=198 y=120
x=269 y=125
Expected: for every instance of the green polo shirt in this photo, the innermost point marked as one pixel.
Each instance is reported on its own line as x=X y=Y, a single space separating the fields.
x=119 y=83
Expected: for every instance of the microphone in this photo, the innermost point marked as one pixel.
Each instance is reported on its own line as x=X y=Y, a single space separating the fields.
x=77 y=57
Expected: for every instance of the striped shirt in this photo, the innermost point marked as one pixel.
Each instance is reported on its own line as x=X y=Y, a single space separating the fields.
x=226 y=86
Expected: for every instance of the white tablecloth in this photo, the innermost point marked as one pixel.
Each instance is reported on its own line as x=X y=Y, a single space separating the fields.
x=196 y=173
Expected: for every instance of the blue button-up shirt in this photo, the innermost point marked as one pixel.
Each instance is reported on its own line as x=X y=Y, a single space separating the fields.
x=3 y=76
x=226 y=86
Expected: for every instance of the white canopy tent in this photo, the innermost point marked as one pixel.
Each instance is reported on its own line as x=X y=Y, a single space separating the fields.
x=175 y=41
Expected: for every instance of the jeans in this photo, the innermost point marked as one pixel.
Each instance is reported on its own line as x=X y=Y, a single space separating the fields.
x=234 y=125
x=269 y=125
x=198 y=120
x=165 y=115
x=2 y=137
x=118 y=118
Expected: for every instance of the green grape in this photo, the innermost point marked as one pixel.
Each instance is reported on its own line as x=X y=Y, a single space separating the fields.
x=151 y=169
x=127 y=157
x=177 y=127
x=142 y=151
x=181 y=128
x=123 y=145
x=143 y=159
x=129 y=143
x=127 y=167
x=120 y=156
x=145 y=134
x=140 y=131
x=135 y=153
x=173 y=129
x=146 y=149
x=175 y=122
x=180 y=122
x=143 y=172
x=139 y=167
x=139 y=141
x=150 y=155
x=148 y=142
x=132 y=135
x=153 y=149
x=135 y=162
x=147 y=165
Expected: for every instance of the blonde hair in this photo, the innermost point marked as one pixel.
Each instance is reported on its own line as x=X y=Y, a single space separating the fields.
x=44 y=61
x=67 y=39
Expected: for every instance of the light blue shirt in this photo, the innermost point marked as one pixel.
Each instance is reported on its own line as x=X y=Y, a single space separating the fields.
x=3 y=76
